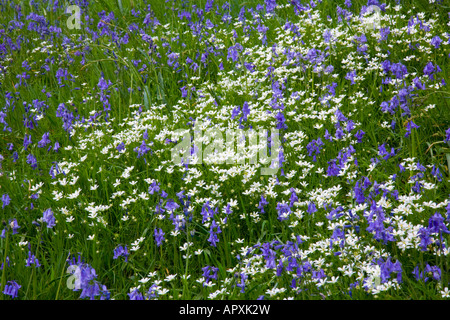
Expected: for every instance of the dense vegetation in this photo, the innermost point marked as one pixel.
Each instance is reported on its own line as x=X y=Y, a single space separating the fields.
x=335 y=184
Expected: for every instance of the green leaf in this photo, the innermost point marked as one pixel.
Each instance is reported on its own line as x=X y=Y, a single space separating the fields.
x=146 y=99
x=448 y=161
x=161 y=95
x=119 y=2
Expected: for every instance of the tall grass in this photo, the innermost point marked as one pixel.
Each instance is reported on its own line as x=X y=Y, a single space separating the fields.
x=122 y=77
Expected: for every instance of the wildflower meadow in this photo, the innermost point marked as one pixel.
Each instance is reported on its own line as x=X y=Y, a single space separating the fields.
x=224 y=149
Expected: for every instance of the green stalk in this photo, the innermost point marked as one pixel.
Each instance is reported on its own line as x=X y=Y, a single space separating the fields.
x=413 y=144
x=32 y=272
x=60 y=279
x=185 y=289
x=3 y=284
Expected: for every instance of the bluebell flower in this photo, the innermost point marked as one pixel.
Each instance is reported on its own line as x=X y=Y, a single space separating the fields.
x=436 y=41
x=328 y=135
x=159 y=208
x=270 y=5
x=153 y=188
x=384 y=153
x=12 y=289
x=14 y=225
x=340 y=116
x=180 y=195
x=245 y=111
x=417 y=188
x=384 y=32
x=2 y=235
x=399 y=70
x=320 y=274
x=262 y=203
x=179 y=221
x=280 y=121
x=431 y=69
x=55 y=168
x=410 y=125
x=121 y=251
x=235 y=112
x=311 y=208
x=31 y=160
x=338 y=235
x=359 y=194
x=6 y=200
x=333 y=169
x=145 y=135
x=314 y=148
x=44 y=141
x=327 y=36
x=387 y=268
x=434 y=271
x=120 y=147
x=135 y=295
x=418 y=84
x=159 y=236
x=26 y=141
x=184 y=92
x=280 y=268
x=233 y=52
x=417 y=274
x=171 y=205
x=376 y=226
x=447 y=136
x=152 y=292
x=294 y=197
x=241 y=284
x=142 y=149
x=228 y=209
x=420 y=167
x=67 y=116
x=359 y=135
x=213 y=239
x=60 y=74
x=436 y=224
x=436 y=173
x=425 y=238
x=350 y=125
x=49 y=218
x=32 y=260
x=284 y=211
x=339 y=133
x=269 y=255
x=103 y=85
x=351 y=76
x=208 y=275
x=209 y=5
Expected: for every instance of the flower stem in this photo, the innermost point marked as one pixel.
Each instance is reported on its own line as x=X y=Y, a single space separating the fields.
x=2 y=283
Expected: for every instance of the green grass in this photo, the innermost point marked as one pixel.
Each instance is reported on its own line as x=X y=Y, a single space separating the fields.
x=155 y=90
